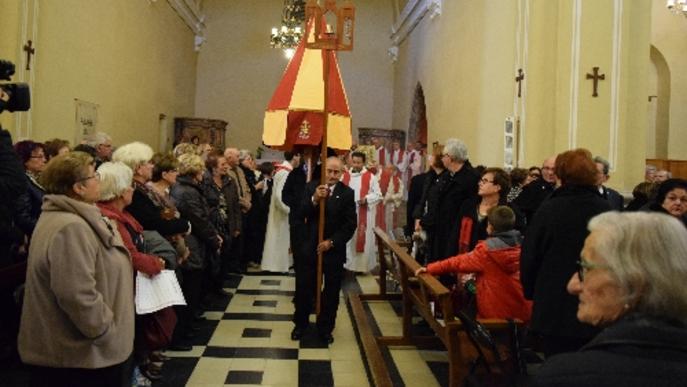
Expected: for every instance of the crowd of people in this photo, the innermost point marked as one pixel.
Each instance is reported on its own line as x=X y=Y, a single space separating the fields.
x=515 y=244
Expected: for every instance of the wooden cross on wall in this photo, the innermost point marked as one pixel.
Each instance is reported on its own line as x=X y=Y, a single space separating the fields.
x=519 y=79
x=596 y=77
x=29 y=51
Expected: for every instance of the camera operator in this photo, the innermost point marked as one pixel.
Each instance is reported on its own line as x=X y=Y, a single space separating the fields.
x=12 y=185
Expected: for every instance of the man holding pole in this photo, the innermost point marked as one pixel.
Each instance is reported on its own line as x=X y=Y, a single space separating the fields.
x=339 y=226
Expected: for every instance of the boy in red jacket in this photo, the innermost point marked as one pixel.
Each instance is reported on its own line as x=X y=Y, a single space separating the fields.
x=496 y=262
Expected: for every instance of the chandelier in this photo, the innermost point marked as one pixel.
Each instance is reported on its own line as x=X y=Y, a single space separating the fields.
x=290 y=33
x=677 y=6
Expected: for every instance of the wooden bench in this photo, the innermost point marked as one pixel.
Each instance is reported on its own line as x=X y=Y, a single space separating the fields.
x=416 y=293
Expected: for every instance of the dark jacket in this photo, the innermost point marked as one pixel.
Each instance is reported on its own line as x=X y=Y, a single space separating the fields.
x=203 y=241
x=27 y=206
x=452 y=191
x=551 y=250
x=636 y=351
x=340 y=219
x=615 y=199
x=212 y=194
x=532 y=196
x=414 y=198
x=150 y=217
x=292 y=195
x=12 y=185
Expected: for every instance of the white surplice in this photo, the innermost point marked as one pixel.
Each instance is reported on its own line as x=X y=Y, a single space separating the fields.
x=392 y=201
x=276 y=256
x=366 y=260
x=400 y=159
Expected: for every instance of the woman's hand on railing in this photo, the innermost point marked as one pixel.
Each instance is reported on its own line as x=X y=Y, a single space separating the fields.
x=420 y=270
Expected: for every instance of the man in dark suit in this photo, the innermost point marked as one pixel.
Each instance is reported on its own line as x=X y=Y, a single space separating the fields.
x=534 y=193
x=615 y=199
x=340 y=224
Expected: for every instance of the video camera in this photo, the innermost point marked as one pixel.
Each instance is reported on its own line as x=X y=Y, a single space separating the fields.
x=20 y=96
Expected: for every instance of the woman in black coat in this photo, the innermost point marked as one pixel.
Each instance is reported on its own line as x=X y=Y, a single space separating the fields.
x=27 y=207
x=204 y=242
x=552 y=247
x=225 y=214
x=630 y=282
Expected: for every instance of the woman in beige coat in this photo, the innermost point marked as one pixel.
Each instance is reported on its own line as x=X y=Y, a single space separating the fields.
x=77 y=324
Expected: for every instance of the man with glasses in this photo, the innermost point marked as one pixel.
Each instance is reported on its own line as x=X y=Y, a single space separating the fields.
x=534 y=193
x=455 y=186
x=615 y=199
x=102 y=143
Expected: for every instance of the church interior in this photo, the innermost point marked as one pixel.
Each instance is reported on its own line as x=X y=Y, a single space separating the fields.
x=517 y=81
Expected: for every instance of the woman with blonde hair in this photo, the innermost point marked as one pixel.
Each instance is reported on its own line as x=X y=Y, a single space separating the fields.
x=77 y=324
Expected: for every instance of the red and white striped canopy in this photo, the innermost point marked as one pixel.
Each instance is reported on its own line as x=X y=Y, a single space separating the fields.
x=294 y=114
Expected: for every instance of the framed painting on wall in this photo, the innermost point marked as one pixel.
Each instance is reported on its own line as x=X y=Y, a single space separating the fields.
x=85 y=119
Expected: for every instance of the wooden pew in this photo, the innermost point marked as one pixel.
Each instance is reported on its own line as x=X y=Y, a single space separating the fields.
x=417 y=292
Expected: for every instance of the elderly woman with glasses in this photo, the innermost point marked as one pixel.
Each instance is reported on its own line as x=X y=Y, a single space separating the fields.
x=115 y=194
x=77 y=324
x=145 y=206
x=630 y=282
x=552 y=245
x=27 y=207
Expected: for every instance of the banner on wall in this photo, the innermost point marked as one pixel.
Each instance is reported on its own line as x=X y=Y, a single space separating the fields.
x=86 y=119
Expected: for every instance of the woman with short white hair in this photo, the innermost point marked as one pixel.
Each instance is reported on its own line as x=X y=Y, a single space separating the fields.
x=630 y=281
x=115 y=194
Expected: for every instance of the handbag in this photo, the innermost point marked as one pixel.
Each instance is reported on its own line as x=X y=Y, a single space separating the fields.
x=158 y=328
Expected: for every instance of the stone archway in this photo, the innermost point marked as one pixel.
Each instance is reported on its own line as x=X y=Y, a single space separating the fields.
x=417 y=128
x=658 y=126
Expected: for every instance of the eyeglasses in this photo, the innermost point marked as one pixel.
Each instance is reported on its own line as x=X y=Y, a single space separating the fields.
x=37 y=157
x=485 y=181
x=583 y=267
x=94 y=176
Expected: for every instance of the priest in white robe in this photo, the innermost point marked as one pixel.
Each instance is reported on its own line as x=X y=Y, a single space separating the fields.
x=399 y=159
x=381 y=153
x=361 y=252
x=276 y=256
x=392 y=189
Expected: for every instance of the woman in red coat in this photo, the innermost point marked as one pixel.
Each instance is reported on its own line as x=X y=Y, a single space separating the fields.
x=496 y=261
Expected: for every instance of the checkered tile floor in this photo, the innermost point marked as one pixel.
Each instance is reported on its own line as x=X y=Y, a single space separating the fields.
x=246 y=341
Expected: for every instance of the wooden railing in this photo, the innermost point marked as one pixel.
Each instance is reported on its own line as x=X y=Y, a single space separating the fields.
x=419 y=294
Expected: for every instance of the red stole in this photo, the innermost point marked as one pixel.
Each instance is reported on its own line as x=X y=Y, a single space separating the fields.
x=384 y=180
x=362 y=210
x=397 y=157
x=381 y=156
x=282 y=167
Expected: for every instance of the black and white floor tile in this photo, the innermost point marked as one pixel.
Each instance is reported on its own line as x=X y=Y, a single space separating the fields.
x=246 y=341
